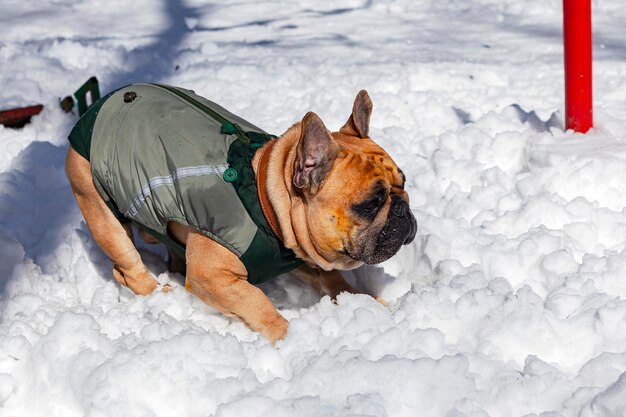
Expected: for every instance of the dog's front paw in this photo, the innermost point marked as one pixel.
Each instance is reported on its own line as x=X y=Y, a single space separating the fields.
x=141 y=282
x=276 y=330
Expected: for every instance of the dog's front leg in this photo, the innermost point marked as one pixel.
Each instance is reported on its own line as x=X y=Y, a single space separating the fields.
x=217 y=277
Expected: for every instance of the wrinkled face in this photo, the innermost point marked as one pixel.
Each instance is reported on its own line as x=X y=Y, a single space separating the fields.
x=356 y=208
x=361 y=210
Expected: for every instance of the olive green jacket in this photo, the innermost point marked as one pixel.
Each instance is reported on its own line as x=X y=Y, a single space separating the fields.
x=161 y=154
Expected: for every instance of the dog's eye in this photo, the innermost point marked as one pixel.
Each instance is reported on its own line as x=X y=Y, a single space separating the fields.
x=371 y=206
x=368 y=209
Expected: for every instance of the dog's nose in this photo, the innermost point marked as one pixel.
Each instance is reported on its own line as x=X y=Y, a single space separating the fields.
x=412 y=232
x=400 y=208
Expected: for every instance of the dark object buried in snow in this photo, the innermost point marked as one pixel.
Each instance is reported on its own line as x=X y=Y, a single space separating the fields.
x=18 y=117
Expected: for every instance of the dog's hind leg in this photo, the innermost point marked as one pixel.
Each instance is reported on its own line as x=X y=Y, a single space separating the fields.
x=329 y=283
x=112 y=237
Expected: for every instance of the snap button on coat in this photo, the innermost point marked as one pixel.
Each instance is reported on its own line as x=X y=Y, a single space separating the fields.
x=230 y=175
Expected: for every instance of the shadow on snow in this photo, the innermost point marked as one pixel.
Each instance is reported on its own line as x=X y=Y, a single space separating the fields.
x=37 y=207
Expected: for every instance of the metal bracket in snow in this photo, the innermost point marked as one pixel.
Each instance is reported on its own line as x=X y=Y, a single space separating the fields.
x=90 y=86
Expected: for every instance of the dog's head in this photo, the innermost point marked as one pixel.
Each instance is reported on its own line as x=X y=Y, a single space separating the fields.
x=357 y=208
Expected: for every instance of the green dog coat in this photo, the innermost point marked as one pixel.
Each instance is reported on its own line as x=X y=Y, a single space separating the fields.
x=160 y=153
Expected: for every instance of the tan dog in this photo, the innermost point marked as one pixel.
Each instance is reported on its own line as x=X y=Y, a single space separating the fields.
x=337 y=201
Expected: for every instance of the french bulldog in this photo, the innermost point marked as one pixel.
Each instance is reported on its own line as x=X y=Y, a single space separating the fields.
x=333 y=200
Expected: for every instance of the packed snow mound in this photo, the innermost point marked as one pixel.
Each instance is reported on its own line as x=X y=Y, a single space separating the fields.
x=511 y=301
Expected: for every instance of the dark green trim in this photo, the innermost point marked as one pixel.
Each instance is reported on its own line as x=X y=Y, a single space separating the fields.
x=266 y=257
x=80 y=136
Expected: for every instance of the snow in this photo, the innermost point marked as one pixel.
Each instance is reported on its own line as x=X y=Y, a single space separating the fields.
x=510 y=302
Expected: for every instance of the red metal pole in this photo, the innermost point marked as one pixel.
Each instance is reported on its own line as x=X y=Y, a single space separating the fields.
x=578 y=82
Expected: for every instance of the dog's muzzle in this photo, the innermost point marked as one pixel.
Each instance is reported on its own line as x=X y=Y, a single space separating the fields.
x=400 y=229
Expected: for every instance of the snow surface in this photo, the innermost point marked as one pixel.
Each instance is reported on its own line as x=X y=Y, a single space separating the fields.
x=510 y=302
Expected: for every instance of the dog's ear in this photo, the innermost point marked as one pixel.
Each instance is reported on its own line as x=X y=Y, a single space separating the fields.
x=315 y=155
x=359 y=122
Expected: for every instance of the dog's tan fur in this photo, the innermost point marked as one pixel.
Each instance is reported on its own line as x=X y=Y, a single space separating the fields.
x=314 y=222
